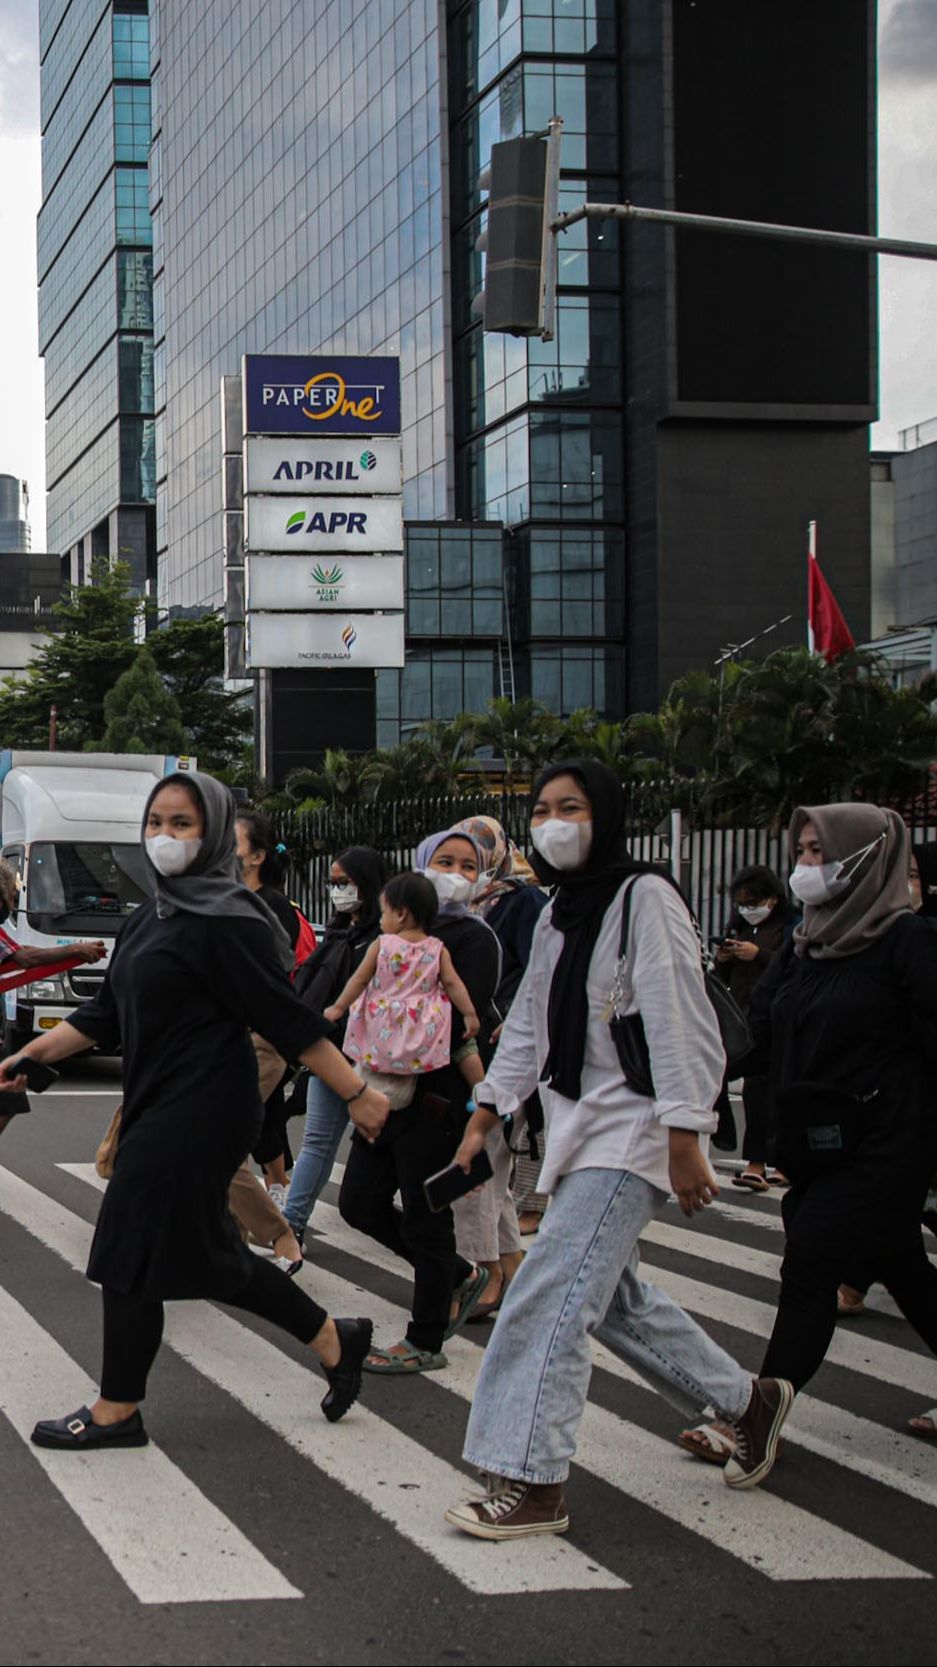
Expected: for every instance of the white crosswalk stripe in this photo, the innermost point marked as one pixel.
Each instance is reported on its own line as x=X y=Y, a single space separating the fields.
x=408 y=1486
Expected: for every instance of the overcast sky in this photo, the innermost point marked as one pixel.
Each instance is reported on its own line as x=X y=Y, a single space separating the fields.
x=907 y=208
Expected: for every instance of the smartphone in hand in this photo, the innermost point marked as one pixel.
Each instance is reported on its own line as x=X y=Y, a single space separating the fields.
x=38 y=1077
x=451 y=1183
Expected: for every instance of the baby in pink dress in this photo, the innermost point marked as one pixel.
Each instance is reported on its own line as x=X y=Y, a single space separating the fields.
x=401 y=997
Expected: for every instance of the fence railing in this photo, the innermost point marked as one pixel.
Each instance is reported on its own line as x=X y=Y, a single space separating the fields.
x=712 y=849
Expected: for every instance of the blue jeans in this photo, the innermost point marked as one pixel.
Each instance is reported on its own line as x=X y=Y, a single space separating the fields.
x=580 y=1279
x=326 y=1122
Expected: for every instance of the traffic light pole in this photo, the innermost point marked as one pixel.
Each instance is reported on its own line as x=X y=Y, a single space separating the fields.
x=743 y=228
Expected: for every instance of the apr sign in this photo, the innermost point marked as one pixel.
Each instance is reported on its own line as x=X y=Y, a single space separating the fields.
x=299 y=466
x=296 y=525
x=296 y=394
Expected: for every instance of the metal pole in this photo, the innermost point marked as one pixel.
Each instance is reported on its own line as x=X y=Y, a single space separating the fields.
x=676 y=843
x=748 y=228
x=551 y=203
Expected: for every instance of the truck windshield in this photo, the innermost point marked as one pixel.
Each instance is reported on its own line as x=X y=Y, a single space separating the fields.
x=80 y=880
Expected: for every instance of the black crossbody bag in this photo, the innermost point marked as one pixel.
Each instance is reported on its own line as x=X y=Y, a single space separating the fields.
x=628 y=1028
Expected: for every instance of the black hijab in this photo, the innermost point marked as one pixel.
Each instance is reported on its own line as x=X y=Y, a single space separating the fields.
x=213 y=885
x=579 y=907
x=326 y=972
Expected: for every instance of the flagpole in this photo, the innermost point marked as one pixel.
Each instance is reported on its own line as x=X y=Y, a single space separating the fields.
x=811 y=557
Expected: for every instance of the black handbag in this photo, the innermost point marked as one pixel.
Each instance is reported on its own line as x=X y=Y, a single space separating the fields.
x=628 y=1028
x=819 y=1126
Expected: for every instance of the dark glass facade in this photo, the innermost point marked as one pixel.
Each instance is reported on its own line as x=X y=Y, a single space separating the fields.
x=538 y=425
x=96 y=283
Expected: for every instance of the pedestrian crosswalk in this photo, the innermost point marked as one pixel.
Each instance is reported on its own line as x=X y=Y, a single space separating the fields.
x=853 y=1499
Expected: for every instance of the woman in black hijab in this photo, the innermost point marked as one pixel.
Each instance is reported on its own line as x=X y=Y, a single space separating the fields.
x=612 y=1157
x=193 y=972
x=357 y=879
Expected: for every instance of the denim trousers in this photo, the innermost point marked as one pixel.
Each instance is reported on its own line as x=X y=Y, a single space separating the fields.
x=580 y=1279
x=326 y=1122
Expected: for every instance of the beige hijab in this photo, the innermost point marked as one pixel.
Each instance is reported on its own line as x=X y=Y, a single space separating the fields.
x=876 y=896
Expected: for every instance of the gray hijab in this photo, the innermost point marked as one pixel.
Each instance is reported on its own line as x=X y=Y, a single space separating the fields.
x=877 y=895
x=213 y=885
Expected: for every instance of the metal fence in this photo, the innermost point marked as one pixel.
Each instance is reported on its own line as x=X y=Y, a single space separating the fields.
x=703 y=852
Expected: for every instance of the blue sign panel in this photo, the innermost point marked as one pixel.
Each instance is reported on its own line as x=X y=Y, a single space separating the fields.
x=298 y=394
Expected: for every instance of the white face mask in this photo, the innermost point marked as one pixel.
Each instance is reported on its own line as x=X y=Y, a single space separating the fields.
x=818 y=883
x=451 y=888
x=172 y=856
x=562 y=844
x=755 y=917
x=344 y=898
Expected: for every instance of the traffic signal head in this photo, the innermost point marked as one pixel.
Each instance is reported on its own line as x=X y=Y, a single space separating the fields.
x=515 y=243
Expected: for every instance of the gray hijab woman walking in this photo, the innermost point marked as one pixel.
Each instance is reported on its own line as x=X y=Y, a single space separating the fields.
x=845 y=1022
x=194 y=971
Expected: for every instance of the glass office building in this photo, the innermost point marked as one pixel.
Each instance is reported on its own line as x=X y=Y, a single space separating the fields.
x=574 y=506
x=95 y=284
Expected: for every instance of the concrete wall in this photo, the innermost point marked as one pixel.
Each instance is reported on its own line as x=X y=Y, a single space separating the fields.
x=915 y=477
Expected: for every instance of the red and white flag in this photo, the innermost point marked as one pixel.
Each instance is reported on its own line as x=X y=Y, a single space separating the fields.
x=827 y=631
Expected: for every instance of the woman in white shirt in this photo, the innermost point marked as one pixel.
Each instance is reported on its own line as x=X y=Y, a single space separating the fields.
x=612 y=1159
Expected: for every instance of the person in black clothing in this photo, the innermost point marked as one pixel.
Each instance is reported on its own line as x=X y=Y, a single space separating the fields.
x=192 y=972
x=420 y=1138
x=755 y=934
x=357 y=879
x=262 y=861
x=845 y=1021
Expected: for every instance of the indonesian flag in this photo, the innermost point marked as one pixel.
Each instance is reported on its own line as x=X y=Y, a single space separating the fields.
x=827 y=631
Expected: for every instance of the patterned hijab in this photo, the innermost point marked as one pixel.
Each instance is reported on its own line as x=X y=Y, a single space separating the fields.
x=507 y=866
x=878 y=891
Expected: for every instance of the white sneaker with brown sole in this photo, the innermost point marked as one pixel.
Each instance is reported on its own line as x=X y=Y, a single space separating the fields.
x=514 y=1511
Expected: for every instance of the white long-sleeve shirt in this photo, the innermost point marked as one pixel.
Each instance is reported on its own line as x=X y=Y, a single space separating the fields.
x=611 y=1127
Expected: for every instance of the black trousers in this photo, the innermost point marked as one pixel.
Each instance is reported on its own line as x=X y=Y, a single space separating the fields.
x=416 y=1142
x=827 y=1225
x=133 y=1329
x=758 y=1143
x=862 y=1271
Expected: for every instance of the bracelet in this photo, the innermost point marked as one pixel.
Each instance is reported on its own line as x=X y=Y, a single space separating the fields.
x=357 y=1096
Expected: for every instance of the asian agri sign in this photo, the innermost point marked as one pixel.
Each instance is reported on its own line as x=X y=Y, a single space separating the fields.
x=318 y=466
x=285 y=584
x=352 y=525
x=295 y=394
x=344 y=640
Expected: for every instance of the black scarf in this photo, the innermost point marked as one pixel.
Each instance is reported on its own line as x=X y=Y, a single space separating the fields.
x=579 y=907
x=324 y=975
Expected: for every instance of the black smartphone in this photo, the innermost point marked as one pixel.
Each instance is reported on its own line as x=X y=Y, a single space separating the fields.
x=452 y=1183
x=38 y=1077
x=717 y=943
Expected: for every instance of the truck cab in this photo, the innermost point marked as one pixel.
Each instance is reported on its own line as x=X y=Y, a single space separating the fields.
x=71 y=831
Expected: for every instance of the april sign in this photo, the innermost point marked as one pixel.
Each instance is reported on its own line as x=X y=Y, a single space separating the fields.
x=297 y=394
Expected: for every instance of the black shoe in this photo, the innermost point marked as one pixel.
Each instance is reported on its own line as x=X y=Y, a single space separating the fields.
x=345 y=1378
x=79 y=1432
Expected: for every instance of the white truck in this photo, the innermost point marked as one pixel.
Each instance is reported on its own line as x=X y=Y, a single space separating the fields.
x=70 y=827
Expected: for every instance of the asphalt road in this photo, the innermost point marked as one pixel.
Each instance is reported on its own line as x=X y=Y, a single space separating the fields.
x=251 y=1531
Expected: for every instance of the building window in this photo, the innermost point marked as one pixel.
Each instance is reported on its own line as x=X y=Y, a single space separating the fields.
x=131 y=122
x=135 y=358
x=454 y=582
x=134 y=290
x=131 y=46
x=137 y=460
x=133 y=206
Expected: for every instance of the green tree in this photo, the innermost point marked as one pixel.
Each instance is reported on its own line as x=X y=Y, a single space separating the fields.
x=141 y=713
x=189 y=655
x=76 y=666
x=93 y=645
x=525 y=733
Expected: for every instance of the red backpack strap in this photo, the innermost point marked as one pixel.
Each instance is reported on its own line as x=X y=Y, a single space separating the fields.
x=306 y=942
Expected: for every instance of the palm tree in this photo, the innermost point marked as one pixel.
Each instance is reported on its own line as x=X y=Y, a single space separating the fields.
x=523 y=732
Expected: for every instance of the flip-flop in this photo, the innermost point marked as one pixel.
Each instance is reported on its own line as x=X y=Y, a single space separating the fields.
x=413 y=1360
x=487 y=1310
x=715 y=1447
x=914 y=1425
x=751 y=1181
x=467 y=1297
x=776 y=1179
